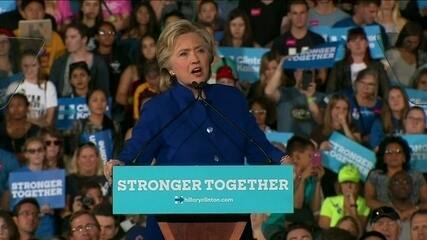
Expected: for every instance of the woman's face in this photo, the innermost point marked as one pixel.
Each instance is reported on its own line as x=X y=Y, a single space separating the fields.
x=53 y=146
x=91 y=8
x=367 y=86
x=30 y=66
x=396 y=101
x=80 y=79
x=148 y=46
x=270 y=69
x=237 y=28
x=17 y=108
x=394 y=157
x=87 y=161
x=142 y=16
x=422 y=83
x=190 y=59
x=98 y=103
x=357 y=46
x=106 y=35
x=349 y=226
x=4 y=45
x=299 y=234
x=340 y=109
x=415 y=122
x=35 y=153
x=4 y=230
x=207 y=12
x=259 y=113
x=411 y=43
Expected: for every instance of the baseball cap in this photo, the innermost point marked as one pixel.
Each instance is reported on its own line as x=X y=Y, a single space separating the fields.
x=225 y=72
x=349 y=173
x=385 y=211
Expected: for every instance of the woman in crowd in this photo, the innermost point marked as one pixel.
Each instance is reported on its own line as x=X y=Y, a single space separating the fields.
x=16 y=128
x=365 y=105
x=90 y=15
x=394 y=155
x=270 y=61
x=350 y=224
x=142 y=22
x=414 y=121
x=390 y=122
x=347 y=202
x=263 y=112
x=237 y=31
x=389 y=17
x=420 y=80
x=40 y=93
x=97 y=101
x=148 y=89
x=406 y=57
x=54 y=148
x=8 y=229
x=357 y=57
x=79 y=79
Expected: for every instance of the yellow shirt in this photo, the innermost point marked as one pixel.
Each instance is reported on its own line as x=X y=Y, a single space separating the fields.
x=333 y=208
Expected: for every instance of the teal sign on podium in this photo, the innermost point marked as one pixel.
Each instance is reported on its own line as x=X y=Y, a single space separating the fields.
x=202 y=189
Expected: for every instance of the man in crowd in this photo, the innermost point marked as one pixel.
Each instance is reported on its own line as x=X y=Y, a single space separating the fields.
x=419 y=225
x=386 y=221
x=83 y=226
x=108 y=223
x=26 y=215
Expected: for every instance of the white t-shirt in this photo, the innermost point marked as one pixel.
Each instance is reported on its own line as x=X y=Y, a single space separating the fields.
x=355 y=69
x=40 y=97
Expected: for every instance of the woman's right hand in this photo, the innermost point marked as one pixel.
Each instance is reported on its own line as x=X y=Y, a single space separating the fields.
x=108 y=168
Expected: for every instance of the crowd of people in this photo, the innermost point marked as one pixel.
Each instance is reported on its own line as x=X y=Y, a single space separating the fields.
x=122 y=59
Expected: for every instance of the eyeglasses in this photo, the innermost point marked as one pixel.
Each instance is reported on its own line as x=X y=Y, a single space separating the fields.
x=49 y=142
x=35 y=150
x=258 y=112
x=104 y=33
x=395 y=151
x=86 y=227
x=29 y=213
x=415 y=119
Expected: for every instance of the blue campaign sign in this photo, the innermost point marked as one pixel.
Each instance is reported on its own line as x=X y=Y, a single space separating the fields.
x=7 y=5
x=374 y=37
x=48 y=187
x=418 y=144
x=202 y=189
x=322 y=31
x=321 y=56
x=248 y=60
x=71 y=109
x=103 y=140
x=422 y=4
x=280 y=137
x=344 y=150
x=417 y=98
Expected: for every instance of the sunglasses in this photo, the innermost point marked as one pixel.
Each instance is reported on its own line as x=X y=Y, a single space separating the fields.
x=35 y=150
x=54 y=142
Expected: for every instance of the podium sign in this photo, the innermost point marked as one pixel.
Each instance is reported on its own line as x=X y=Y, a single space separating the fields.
x=202 y=189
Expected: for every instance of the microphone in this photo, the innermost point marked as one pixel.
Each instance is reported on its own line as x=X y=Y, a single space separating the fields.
x=161 y=130
x=199 y=88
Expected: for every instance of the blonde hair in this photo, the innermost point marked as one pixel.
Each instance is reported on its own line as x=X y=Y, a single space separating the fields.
x=166 y=45
x=327 y=125
x=398 y=20
x=30 y=140
x=73 y=168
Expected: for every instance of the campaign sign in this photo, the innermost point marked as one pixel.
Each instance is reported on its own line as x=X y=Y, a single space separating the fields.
x=71 y=109
x=280 y=137
x=374 y=37
x=248 y=61
x=322 y=31
x=417 y=98
x=48 y=187
x=321 y=56
x=344 y=150
x=202 y=189
x=103 y=140
x=418 y=144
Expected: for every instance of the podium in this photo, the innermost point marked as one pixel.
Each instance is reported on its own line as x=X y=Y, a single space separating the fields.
x=213 y=227
x=203 y=202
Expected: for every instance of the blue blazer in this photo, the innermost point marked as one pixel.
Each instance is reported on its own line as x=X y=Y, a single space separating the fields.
x=199 y=136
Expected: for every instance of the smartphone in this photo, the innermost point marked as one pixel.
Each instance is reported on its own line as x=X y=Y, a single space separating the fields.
x=307 y=79
x=316 y=161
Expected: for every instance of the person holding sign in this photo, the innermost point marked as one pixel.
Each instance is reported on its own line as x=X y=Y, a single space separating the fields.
x=348 y=202
x=394 y=155
x=191 y=123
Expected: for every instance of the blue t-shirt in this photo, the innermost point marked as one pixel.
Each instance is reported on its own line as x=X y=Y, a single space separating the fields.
x=364 y=117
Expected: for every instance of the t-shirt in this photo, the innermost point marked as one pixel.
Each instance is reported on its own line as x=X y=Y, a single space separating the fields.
x=355 y=68
x=333 y=208
x=287 y=44
x=40 y=97
x=401 y=71
x=316 y=19
x=364 y=117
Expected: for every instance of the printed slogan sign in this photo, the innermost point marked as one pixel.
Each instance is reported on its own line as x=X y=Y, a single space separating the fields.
x=48 y=187
x=321 y=56
x=345 y=151
x=418 y=144
x=202 y=189
x=103 y=140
